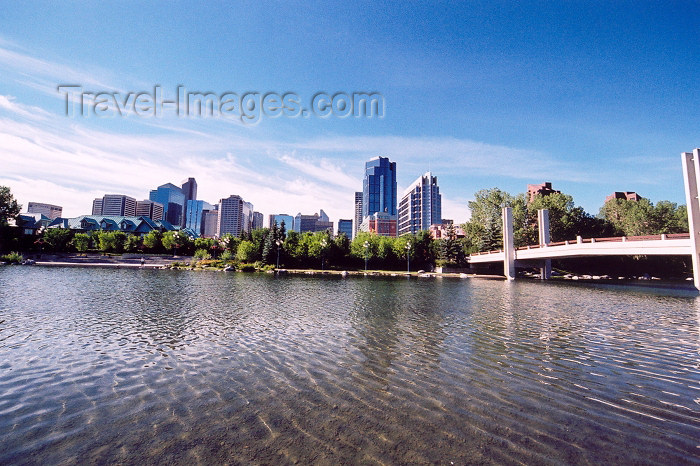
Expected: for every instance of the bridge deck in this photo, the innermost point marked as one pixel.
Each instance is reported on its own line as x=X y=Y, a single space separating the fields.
x=672 y=244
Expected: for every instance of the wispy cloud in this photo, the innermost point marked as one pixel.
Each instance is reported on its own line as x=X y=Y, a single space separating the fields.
x=26 y=111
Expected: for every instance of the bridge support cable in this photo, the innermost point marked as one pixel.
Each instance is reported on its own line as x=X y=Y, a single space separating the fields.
x=691 y=179
x=543 y=228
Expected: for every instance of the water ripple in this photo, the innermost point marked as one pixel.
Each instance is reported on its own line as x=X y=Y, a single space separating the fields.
x=135 y=366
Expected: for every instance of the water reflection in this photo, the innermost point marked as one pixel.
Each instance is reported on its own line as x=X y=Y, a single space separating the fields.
x=138 y=366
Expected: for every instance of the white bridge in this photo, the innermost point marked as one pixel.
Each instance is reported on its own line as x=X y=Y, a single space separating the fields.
x=681 y=244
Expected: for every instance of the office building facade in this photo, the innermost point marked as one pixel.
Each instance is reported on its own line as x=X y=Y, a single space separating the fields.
x=258 y=219
x=313 y=223
x=210 y=222
x=150 y=209
x=195 y=214
x=379 y=187
x=49 y=210
x=379 y=196
x=114 y=204
x=279 y=218
x=358 y=213
x=420 y=206
x=345 y=227
x=189 y=189
x=235 y=216
x=173 y=200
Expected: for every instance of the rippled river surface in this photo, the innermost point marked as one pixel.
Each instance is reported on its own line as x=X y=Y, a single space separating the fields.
x=138 y=366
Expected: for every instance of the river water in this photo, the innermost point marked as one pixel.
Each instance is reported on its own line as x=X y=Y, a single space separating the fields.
x=182 y=367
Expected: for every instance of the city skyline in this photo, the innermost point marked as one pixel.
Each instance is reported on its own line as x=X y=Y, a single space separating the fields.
x=594 y=100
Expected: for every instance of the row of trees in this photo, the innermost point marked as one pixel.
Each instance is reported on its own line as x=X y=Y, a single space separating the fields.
x=618 y=217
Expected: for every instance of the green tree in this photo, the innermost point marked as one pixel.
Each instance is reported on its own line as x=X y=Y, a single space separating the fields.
x=106 y=241
x=57 y=239
x=247 y=251
x=269 y=251
x=152 y=241
x=81 y=242
x=9 y=208
x=566 y=220
x=230 y=242
x=204 y=243
x=450 y=246
x=258 y=237
x=635 y=218
x=358 y=249
x=132 y=243
x=485 y=227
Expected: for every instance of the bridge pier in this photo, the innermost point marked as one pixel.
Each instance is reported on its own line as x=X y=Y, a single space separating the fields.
x=543 y=228
x=508 y=244
x=691 y=179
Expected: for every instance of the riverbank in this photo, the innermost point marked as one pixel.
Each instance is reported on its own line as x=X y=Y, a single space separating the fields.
x=156 y=262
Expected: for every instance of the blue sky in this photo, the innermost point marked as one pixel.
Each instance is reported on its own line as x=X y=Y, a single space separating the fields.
x=592 y=96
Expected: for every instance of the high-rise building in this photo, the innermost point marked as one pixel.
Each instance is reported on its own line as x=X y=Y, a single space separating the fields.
x=150 y=209
x=210 y=221
x=114 y=204
x=189 y=189
x=195 y=212
x=97 y=206
x=279 y=218
x=50 y=210
x=420 y=206
x=312 y=223
x=258 y=220
x=235 y=215
x=358 y=213
x=173 y=200
x=345 y=226
x=379 y=194
x=379 y=187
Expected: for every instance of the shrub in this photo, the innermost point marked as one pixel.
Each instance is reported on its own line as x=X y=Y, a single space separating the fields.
x=202 y=254
x=12 y=258
x=227 y=256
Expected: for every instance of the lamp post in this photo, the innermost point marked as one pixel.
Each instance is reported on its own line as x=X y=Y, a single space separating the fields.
x=366 y=246
x=278 y=243
x=408 y=256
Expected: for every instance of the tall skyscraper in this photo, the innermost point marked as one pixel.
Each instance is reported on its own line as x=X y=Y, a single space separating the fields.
x=358 y=213
x=189 y=189
x=210 y=222
x=379 y=194
x=235 y=215
x=379 y=187
x=420 y=206
x=258 y=219
x=50 y=210
x=173 y=200
x=195 y=215
x=114 y=204
x=150 y=209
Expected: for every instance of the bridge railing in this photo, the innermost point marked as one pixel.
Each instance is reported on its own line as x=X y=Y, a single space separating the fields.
x=618 y=239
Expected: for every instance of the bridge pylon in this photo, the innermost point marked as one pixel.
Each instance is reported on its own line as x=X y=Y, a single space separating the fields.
x=691 y=179
x=543 y=229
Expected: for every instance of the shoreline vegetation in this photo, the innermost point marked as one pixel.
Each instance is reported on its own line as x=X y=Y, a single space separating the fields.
x=188 y=263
